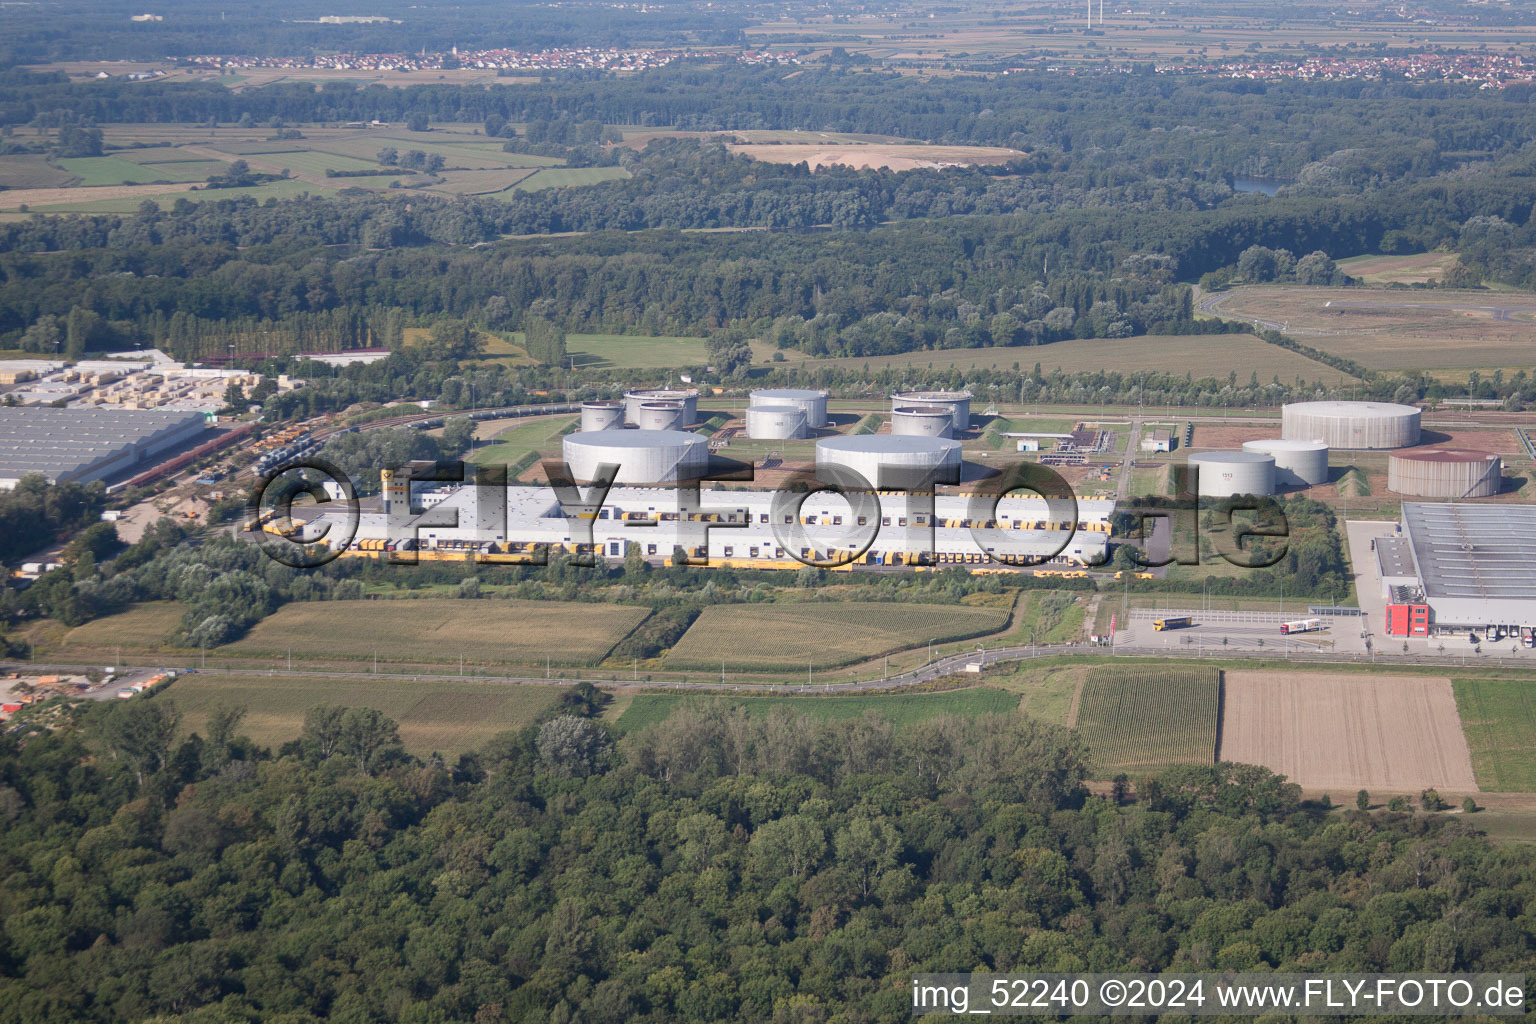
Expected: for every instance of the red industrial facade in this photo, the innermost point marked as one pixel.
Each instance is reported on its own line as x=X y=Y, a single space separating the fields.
x=1407 y=620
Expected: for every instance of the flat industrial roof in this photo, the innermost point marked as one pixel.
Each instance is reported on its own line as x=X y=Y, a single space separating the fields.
x=63 y=442
x=1473 y=551
x=1394 y=556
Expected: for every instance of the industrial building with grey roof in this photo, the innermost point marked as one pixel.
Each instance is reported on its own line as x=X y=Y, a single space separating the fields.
x=83 y=445
x=1476 y=564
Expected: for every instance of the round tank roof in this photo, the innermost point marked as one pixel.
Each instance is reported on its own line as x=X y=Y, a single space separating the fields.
x=1229 y=457
x=932 y=396
x=803 y=394
x=1336 y=408
x=921 y=410
x=889 y=444
x=1444 y=455
x=602 y=404
x=634 y=438
x=1279 y=444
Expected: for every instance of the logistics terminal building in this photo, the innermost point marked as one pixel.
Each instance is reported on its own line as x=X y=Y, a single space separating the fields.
x=1459 y=567
x=744 y=529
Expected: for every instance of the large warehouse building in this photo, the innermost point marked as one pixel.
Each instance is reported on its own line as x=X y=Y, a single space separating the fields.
x=1460 y=567
x=897 y=528
x=82 y=445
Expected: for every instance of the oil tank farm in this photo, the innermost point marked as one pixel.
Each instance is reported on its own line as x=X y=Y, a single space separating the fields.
x=689 y=397
x=1223 y=474
x=643 y=456
x=776 y=422
x=1352 y=424
x=812 y=403
x=1297 y=463
x=890 y=462
x=1444 y=473
x=601 y=416
x=660 y=415
x=957 y=402
x=923 y=421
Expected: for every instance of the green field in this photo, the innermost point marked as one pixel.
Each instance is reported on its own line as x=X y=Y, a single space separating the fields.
x=444 y=717
x=1048 y=617
x=315 y=162
x=457 y=153
x=148 y=625
x=789 y=636
x=562 y=177
x=1498 y=717
x=485 y=632
x=900 y=709
x=111 y=170
x=513 y=443
x=634 y=351
x=1142 y=719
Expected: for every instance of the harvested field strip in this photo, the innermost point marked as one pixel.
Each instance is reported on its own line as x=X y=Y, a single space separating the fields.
x=443 y=717
x=487 y=631
x=1215 y=355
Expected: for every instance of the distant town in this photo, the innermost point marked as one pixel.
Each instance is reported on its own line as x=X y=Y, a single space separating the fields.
x=575 y=59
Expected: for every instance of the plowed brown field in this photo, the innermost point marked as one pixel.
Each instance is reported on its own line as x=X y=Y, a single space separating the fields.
x=1349 y=731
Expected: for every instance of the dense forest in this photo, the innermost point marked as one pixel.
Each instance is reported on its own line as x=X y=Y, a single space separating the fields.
x=715 y=867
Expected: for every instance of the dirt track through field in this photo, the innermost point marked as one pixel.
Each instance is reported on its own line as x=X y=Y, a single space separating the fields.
x=1349 y=731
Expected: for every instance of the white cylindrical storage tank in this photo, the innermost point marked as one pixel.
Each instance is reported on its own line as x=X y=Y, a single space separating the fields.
x=643 y=456
x=1223 y=474
x=923 y=421
x=1445 y=473
x=888 y=462
x=601 y=416
x=814 y=403
x=1297 y=463
x=775 y=422
x=957 y=402
x=659 y=415
x=1352 y=424
x=688 y=397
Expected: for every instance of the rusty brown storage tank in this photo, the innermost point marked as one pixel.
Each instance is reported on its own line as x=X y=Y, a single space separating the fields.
x=1444 y=473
